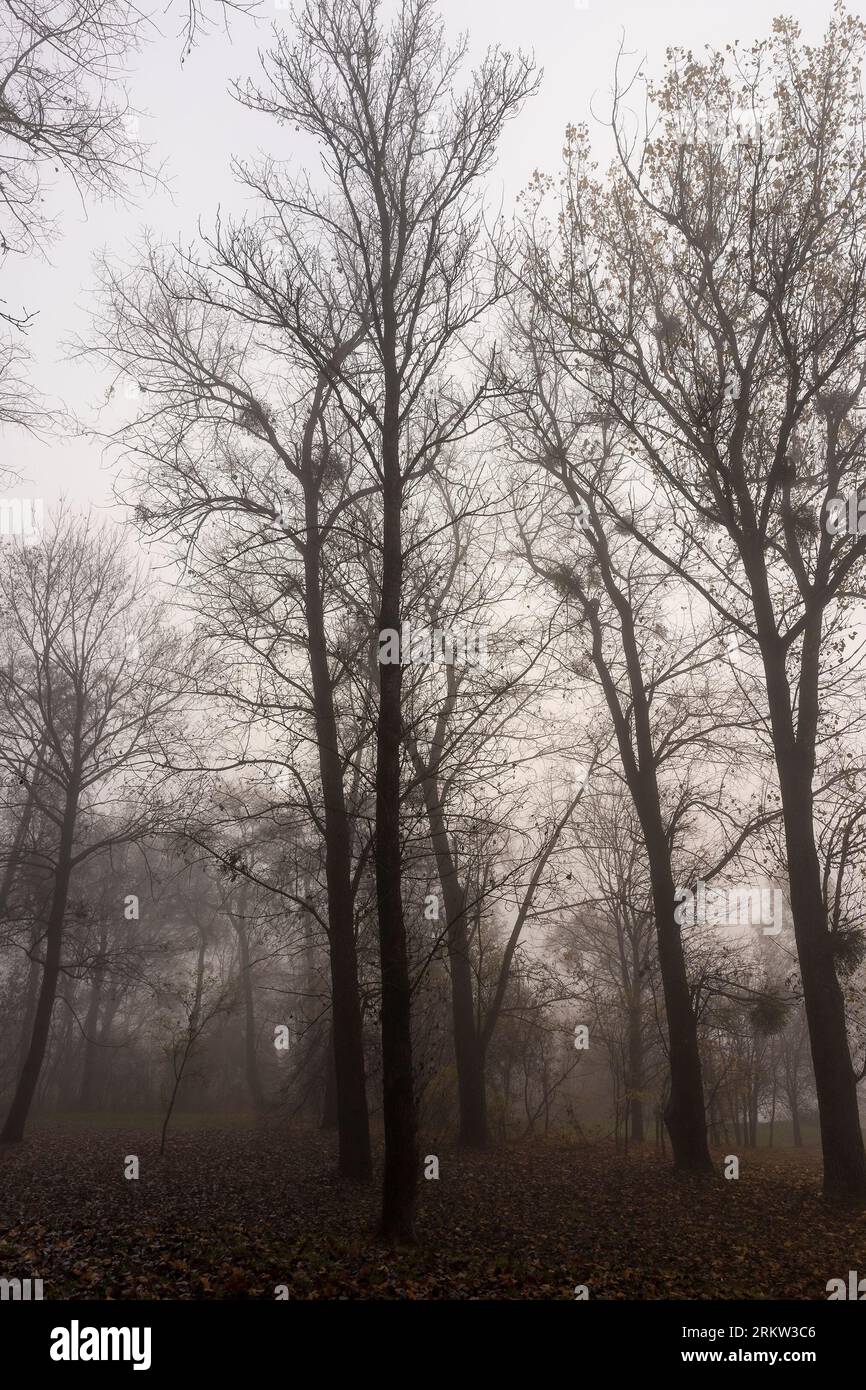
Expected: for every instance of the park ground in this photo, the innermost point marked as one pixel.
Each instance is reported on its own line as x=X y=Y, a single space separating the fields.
x=237 y=1211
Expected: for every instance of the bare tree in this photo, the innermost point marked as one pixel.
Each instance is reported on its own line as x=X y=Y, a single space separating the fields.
x=91 y=676
x=63 y=110
x=713 y=296
x=651 y=676
x=367 y=289
x=397 y=238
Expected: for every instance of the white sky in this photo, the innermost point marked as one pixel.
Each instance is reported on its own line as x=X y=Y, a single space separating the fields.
x=196 y=127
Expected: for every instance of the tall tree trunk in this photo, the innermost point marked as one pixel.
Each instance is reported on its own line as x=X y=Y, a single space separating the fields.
x=91 y=1023
x=104 y=1049
x=399 y=1192
x=841 y=1136
x=353 y=1124
x=794 y=1105
x=468 y=1050
x=60 y=1073
x=251 y=1061
x=179 y=1067
x=735 y=1119
x=16 y=1119
x=791 y=1059
x=31 y=993
x=684 y=1113
x=753 y=1113
x=12 y=863
x=506 y=1094
x=329 y=1103
x=635 y=1050
x=715 y=1125
x=546 y=1099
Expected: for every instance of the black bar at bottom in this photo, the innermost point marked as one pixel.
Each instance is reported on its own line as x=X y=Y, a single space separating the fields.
x=153 y=1339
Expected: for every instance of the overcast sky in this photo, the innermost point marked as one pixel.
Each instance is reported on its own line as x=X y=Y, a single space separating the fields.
x=196 y=127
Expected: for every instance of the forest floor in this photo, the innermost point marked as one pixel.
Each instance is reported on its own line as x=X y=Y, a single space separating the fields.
x=236 y=1212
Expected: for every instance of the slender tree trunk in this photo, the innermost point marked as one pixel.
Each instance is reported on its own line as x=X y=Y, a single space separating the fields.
x=530 y=1119
x=469 y=1055
x=835 y=1084
x=251 y=1061
x=353 y=1124
x=16 y=1119
x=91 y=1023
x=795 y=1121
x=660 y=1131
x=329 y=1104
x=635 y=1055
x=178 y=1076
x=31 y=994
x=104 y=1050
x=792 y=1090
x=506 y=1095
x=189 y=1042
x=12 y=863
x=735 y=1120
x=684 y=1113
x=399 y=1192
x=60 y=1073
x=715 y=1125
x=546 y=1098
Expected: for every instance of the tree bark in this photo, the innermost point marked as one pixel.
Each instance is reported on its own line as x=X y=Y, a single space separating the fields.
x=635 y=1069
x=91 y=1023
x=251 y=1061
x=189 y=1042
x=31 y=995
x=468 y=1050
x=795 y=1121
x=635 y=1044
x=16 y=1119
x=353 y=1124
x=753 y=1114
x=399 y=1192
x=329 y=1103
x=12 y=863
x=841 y=1136
x=684 y=1113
